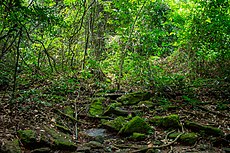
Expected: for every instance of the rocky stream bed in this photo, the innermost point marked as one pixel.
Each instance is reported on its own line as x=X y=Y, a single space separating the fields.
x=115 y=122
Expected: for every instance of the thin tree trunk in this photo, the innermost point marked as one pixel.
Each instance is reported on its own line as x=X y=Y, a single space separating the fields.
x=16 y=64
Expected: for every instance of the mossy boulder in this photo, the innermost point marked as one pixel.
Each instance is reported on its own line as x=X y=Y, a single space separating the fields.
x=69 y=111
x=138 y=136
x=114 y=109
x=27 y=137
x=203 y=129
x=134 y=98
x=96 y=107
x=46 y=138
x=115 y=124
x=11 y=147
x=137 y=124
x=146 y=103
x=186 y=138
x=59 y=140
x=168 y=122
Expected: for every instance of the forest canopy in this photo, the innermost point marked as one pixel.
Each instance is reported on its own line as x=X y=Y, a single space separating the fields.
x=120 y=39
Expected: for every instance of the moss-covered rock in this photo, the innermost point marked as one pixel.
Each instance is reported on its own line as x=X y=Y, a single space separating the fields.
x=115 y=124
x=138 y=136
x=171 y=121
x=186 y=138
x=146 y=103
x=41 y=150
x=27 y=137
x=69 y=111
x=11 y=147
x=60 y=140
x=46 y=138
x=203 y=129
x=137 y=124
x=94 y=145
x=96 y=107
x=116 y=110
x=134 y=98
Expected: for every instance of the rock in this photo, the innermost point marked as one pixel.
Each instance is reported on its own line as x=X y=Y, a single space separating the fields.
x=59 y=140
x=27 y=137
x=11 y=147
x=226 y=150
x=138 y=136
x=95 y=132
x=119 y=112
x=83 y=149
x=202 y=129
x=47 y=138
x=171 y=121
x=186 y=138
x=69 y=111
x=115 y=124
x=134 y=98
x=94 y=145
x=146 y=103
x=219 y=141
x=96 y=107
x=113 y=96
x=41 y=150
x=137 y=124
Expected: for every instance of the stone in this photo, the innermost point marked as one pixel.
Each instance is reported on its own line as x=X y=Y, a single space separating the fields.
x=134 y=98
x=136 y=124
x=11 y=147
x=94 y=145
x=203 y=129
x=138 y=136
x=115 y=124
x=168 y=122
x=146 y=103
x=186 y=138
x=96 y=107
x=41 y=150
x=27 y=137
x=47 y=138
x=60 y=140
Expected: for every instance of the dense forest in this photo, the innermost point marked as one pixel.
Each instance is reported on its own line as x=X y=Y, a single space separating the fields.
x=114 y=76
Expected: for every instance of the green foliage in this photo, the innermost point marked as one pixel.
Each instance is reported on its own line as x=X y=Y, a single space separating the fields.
x=112 y=43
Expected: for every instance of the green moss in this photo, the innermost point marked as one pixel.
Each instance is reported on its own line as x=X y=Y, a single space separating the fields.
x=27 y=137
x=96 y=107
x=134 y=98
x=60 y=140
x=115 y=124
x=138 y=136
x=189 y=138
x=11 y=147
x=171 y=121
x=203 y=129
x=63 y=129
x=186 y=138
x=137 y=124
x=69 y=111
x=146 y=103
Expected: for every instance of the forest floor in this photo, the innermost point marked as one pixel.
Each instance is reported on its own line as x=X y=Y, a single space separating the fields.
x=43 y=104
